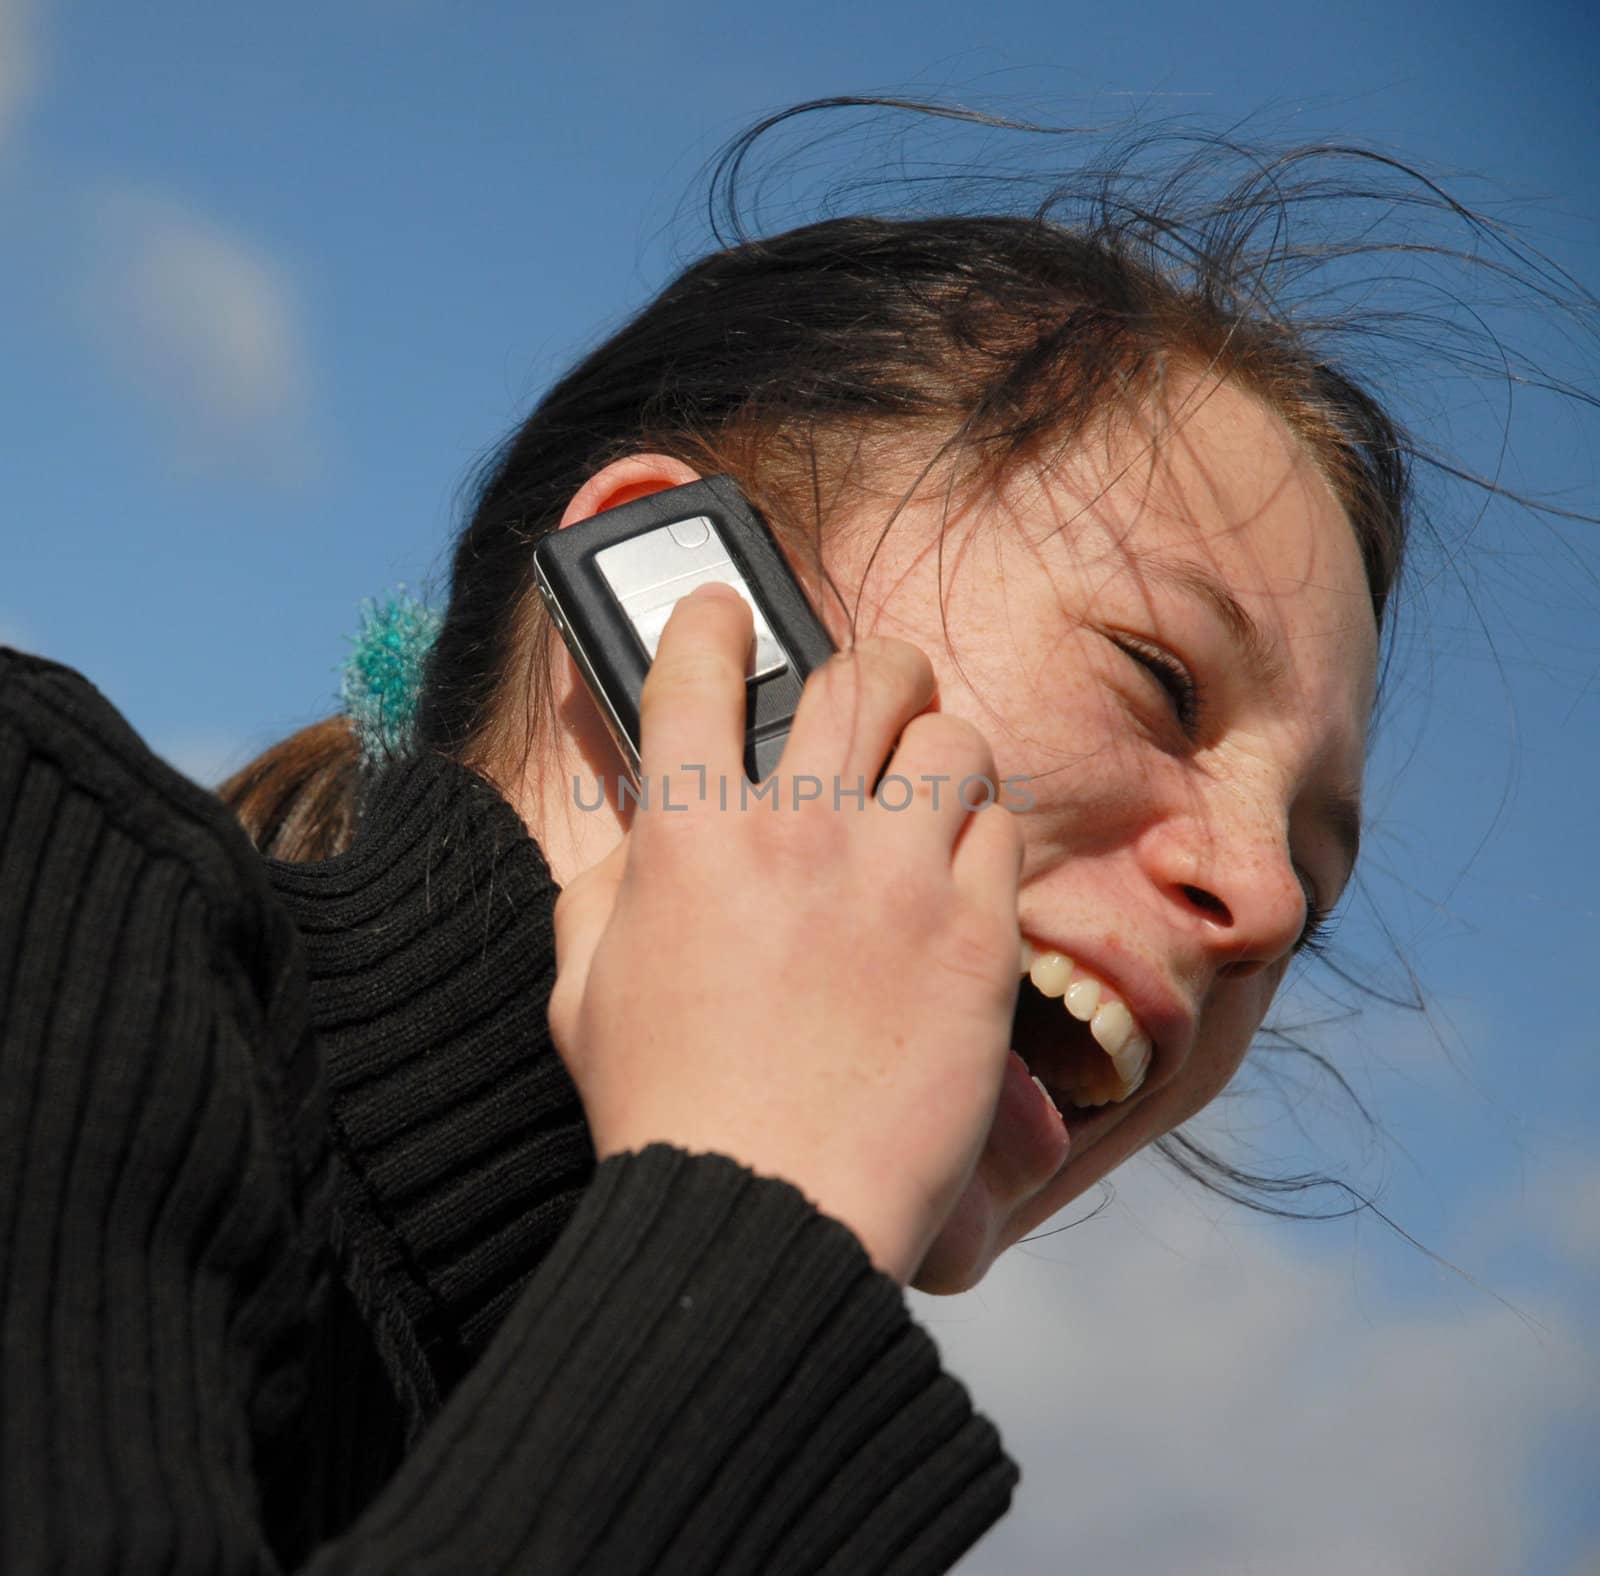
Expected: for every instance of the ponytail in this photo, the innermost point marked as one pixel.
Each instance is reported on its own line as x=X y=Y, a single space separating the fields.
x=297 y=801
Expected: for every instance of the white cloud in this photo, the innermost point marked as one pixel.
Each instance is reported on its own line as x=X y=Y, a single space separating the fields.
x=1215 y=1402
x=205 y=329
x=1555 y=1205
x=19 y=62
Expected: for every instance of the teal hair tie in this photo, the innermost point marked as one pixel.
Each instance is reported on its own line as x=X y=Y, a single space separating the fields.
x=383 y=673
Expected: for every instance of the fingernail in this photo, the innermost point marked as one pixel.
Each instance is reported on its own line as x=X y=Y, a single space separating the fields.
x=714 y=588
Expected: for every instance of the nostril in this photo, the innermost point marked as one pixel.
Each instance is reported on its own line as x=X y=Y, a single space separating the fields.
x=1208 y=903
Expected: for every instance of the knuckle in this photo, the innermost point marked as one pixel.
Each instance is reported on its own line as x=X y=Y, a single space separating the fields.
x=1001 y=826
x=953 y=740
x=878 y=662
x=873 y=684
x=833 y=680
x=805 y=834
x=913 y=898
x=978 y=938
x=981 y=945
x=887 y=660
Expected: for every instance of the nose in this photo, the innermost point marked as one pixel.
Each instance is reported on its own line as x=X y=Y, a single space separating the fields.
x=1235 y=894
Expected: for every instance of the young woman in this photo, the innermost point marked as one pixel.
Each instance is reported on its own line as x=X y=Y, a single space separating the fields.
x=486 y=1183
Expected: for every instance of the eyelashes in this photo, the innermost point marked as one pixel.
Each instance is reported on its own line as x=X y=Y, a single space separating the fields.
x=1186 y=699
x=1174 y=678
x=1314 y=934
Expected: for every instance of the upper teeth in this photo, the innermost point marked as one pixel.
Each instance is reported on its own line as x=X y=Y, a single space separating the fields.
x=1116 y=1031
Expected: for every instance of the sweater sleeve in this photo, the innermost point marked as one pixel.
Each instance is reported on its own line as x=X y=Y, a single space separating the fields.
x=706 y=1374
x=703 y=1374
x=162 y=1172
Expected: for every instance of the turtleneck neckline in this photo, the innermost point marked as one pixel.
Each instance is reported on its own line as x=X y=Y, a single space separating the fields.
x=431 y=955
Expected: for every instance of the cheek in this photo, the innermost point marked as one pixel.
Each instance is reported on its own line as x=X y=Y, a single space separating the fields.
x=1230 y=1023
x=1085 y=786
x=1209 y=1072
x=1040 y=693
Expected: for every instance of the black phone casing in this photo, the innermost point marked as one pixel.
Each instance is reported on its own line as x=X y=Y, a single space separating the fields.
x=607 y=647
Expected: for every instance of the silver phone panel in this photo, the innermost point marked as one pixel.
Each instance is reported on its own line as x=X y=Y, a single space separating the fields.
x=650 y=574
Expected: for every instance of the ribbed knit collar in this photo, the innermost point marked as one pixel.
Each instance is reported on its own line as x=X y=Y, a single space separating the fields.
x=431 y=953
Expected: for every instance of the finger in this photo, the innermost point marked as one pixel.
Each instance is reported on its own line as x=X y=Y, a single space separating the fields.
x=940 y=773
x=692 y=706
x=582 y=912
x=987 y=864
x=584 y=905
x=855 y=706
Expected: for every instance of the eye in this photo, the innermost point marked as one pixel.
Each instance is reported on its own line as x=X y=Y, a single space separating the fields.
x=1170 y=674
x=1313 y=934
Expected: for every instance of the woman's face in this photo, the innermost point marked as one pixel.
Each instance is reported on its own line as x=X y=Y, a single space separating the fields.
x=1178 y=657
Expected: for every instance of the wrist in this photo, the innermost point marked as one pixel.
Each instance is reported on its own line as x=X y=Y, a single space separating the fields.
x=894 y=1247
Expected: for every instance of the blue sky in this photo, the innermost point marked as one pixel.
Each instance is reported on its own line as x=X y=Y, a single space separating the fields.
x=275 y=277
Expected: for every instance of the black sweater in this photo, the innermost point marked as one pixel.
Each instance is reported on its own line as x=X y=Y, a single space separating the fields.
x=305 y=1262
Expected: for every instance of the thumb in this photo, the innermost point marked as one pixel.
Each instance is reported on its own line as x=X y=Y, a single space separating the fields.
x=583 y=911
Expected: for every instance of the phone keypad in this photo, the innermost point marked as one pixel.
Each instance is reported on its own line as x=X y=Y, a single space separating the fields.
x=650 y=574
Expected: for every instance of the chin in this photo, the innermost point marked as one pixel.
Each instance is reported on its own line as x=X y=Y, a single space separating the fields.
x=967 y=1244
x=935 y=1280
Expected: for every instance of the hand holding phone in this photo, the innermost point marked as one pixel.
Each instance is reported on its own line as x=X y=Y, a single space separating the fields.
x=823 y=994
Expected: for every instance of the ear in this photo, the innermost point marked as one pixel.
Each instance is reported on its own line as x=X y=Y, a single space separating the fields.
x=622 y=481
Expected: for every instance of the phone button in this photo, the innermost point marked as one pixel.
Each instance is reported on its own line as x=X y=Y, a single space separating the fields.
x=690 y=534
x=766 y=655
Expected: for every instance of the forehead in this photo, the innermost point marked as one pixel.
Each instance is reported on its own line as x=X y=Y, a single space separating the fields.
x=1210 y=495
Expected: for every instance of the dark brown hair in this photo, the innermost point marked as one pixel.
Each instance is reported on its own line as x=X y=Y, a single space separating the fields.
x=298 y=799
x=991 y=338
x=775 y=359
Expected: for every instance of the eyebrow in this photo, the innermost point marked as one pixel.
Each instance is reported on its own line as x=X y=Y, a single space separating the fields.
x=1262 y=654
x=1340 y=808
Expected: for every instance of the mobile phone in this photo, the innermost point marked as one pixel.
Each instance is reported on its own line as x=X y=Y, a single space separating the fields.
x=611 y=581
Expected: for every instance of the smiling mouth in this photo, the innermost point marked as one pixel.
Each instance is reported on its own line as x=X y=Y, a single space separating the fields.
x=1080 y=1040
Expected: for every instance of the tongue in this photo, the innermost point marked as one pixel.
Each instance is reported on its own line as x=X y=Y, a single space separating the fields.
x=1028 y=1141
